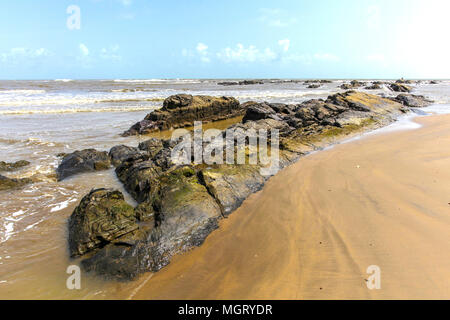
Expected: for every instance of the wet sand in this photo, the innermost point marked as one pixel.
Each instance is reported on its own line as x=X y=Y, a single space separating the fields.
x=314 y=229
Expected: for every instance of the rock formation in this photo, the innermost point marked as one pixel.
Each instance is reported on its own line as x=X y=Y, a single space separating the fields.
x=182 y=110
x=88 y=160
x=10 y=183
x=179 y=205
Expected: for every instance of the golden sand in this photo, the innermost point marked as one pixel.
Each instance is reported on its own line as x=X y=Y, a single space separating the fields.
x=314 y=229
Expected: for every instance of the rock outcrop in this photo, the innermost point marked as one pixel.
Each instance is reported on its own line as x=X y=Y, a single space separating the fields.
x=12 y=166
x=101 y=217
x=88 y=160
x=413 y=101
x=179 y=205
x=352 y=85
x=182 y=110
x=399 y=87
x=10 y=183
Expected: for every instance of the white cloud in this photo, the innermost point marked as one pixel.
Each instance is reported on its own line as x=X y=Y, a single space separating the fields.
x=84 y=50
x=285 y=43
x=16 y=54
x=111 y=53
x=249 y=54
x=201 y=48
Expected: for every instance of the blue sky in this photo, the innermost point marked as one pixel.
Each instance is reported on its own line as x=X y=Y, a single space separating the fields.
x=225 y=39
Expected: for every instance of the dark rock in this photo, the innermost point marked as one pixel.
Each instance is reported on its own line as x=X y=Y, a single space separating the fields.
x=374 y=86
x=398 y=87
x=7 y=166
x=101 y=217
x=119 y=154
x=413 y=101
x=250 y=82
x=183 y=110
x=314 y=86
x=257 y=111
x=228 y=83
x=10 y=183
x=88 y=160
x=152 y=146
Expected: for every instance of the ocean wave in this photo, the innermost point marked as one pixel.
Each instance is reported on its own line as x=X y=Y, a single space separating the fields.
x=77 y=110
x=63 y=80
x=173 y=81
x=22 y=91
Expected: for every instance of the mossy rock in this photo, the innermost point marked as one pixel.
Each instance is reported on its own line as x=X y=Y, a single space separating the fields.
x=101 y=217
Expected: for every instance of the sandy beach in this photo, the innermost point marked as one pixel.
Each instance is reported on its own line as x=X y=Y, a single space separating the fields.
x=314 y=229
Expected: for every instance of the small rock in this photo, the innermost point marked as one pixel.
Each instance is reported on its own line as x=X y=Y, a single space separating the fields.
x=88 y=160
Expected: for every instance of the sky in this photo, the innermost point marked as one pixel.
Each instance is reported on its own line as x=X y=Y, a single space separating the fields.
x=144 y=39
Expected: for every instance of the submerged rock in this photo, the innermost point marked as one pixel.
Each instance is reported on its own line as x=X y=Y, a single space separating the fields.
x=180 y=205
x=183 y=110
x=101 y=217
x=10 y=183
x=88 y=160
x=11 y=166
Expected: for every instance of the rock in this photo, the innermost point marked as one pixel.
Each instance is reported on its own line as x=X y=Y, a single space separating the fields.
x=7 y=166
x=403 y=81
x=257 y=111
x=250 y=82
x=434 y=82
x=314 y=86
x=152 y=146
x=413 y=101
x=119 y=154
x=352 y=85
x=231 y=185
x=398 y=87
x=180 y=205
x=228 y=83
x=240 y=83
x=101 y=217
x=88 y=160
x=9 y=183
x=374 y=86
x=182 y=110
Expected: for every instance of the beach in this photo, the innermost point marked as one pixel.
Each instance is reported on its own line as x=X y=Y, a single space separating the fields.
x=314 y=229
x=311 y=233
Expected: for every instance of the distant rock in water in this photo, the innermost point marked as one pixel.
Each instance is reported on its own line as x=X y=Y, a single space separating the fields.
x=352 y=85
x=314 y=86
x=9 y=183
x=179 y=205
x=7 y=166
x=240 y=83
x=413 y=101
x=88 y=160
x=374 y=86
x=398 y=87
x=183 y=110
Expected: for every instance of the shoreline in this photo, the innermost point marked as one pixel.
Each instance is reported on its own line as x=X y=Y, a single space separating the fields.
x=246 y=267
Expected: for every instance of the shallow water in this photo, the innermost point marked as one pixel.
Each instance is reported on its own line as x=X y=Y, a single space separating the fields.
x=39 y=119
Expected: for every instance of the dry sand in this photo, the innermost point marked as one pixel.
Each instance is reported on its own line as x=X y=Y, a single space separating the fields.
x=314 y=229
